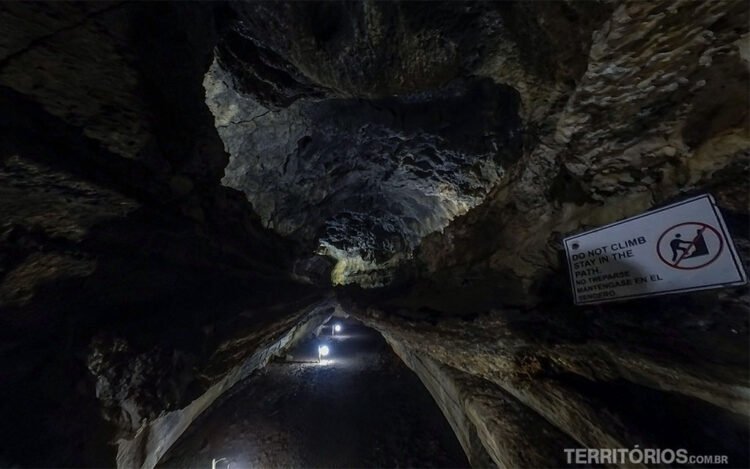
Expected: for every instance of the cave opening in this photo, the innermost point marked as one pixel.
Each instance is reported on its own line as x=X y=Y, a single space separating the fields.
x=192 y=193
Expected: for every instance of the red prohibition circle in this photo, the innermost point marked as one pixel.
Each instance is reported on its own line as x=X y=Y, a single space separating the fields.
x=718 y=253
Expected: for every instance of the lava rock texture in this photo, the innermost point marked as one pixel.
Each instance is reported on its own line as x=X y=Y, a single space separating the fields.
x=187 y=189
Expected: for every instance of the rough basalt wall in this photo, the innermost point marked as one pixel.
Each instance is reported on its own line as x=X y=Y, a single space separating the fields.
x=131 y=281
x=660 y=113
x=362 y=181
x=361 y=128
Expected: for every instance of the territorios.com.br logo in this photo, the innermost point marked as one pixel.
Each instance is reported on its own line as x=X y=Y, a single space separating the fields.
x=636 y=455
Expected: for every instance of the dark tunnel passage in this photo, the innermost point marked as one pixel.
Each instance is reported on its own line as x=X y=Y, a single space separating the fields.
x=358 y=407
x=191 y=193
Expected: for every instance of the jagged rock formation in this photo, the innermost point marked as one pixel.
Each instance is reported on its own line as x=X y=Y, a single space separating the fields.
x=183 y=184
x=323 y=116
x=366 y=180
x=636 y=132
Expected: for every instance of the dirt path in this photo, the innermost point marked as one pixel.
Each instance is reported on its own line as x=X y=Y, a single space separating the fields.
x=362 y=408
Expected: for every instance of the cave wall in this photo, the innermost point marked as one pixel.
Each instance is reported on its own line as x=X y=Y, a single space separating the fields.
x=492 y=427
x=655 y=373
x=131 y=281
x=152 y=440
x=659 y=113
x=177 y=179
x=600 y=110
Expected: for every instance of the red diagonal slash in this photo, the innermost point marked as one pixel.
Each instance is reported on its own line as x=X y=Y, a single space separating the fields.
x=692 y=243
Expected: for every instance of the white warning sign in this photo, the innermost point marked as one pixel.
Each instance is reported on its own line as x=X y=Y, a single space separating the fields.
x=678 y=248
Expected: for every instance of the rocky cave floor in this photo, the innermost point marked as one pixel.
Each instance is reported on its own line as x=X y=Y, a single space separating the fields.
x=362 y=407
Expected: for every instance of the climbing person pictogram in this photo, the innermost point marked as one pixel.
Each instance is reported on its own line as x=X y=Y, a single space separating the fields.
x=676 y=245
x=690 y=245
x=698 y=245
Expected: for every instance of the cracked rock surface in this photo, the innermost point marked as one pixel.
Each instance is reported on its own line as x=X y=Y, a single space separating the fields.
x=366 y=180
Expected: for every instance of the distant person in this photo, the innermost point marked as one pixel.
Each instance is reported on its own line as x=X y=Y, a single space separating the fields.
x=676 y=245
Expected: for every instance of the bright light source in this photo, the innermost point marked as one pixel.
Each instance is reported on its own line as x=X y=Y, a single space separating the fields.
x=323 y=350
x=337 y=328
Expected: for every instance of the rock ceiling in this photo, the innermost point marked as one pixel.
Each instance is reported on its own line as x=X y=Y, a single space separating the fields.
x=348 y=136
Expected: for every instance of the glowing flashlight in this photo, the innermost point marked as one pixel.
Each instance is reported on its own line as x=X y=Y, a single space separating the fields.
x=323 y=351
x=337 y=328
